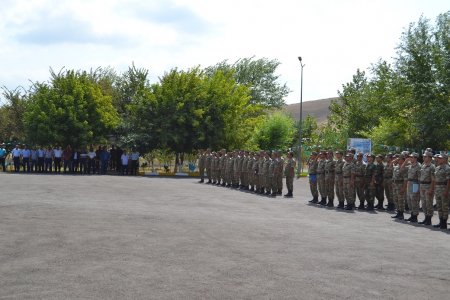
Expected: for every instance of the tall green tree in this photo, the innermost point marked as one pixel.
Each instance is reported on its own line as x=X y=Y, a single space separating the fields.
x=260 y=76
x=11 y=114
x=275 y=132
x=70 y=109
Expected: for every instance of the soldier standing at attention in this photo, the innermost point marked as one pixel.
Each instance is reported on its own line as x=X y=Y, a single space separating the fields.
x=329 y=178
x=312 y=174
x=208 y=164
x=426 y=179
x=348 y=178
x=244 y=176
x=272 y=181
x=413 y=191
x=231 y=168
x=399 y=176
x=223 y=159
x=387 y=182
x=280 y=174
x=266 y=178
x=369 y=182
x=201 y=165
x=441 y=187
x=359 y=179
x=289 y=172
x=250 y=174
x=338 y=179
x=321 y=177
x=379 y=187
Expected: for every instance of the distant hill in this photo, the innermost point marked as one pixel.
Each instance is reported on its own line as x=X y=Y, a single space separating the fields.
x=316 y=108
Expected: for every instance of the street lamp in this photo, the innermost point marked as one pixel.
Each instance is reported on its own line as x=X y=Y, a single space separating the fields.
x=300 y=164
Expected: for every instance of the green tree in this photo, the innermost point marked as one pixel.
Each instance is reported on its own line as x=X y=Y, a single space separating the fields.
x=70 y=109
x=275 y=132
x=11 y=114
x=259 y=75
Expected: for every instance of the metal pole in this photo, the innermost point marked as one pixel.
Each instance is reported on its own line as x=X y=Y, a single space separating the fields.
x=300 y=164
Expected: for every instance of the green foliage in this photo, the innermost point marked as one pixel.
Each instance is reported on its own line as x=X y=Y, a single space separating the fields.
x=408 y=104
x=259 y=75
x=11 y=114
x=275 y=132
x=71 y=109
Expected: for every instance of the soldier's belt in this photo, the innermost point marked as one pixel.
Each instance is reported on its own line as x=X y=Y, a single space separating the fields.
x=359 y=175
x=425 y=182
x=388 y=177
x=398 y=181
x=441 y=183
x=413 y=180
x=337 y=173
x=347 y=176
x=319 y=173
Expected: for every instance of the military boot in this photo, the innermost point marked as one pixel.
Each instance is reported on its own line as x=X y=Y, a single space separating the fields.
x=274 y=194
x=314 y=200
x=400 y=217
x=380 y=206
x=413 y=219
x=289 y=194
x=324 y=201
x=390 y=207
x=340 y=205
x=330 y=202
x=280 y=192
x=361 y=206
x=438 y=225
x=201 y=180
x=209 y=181
x=370 y=206
x=443 y=224
x=349 y=207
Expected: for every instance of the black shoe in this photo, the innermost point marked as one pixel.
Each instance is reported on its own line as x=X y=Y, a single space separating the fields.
x=330 y=203
x=380 y=206
x=390 y=207
x=209 y=182
x=413 y=219
x=201 y=181
x=324 y=201
x=443 y=224
x=267 y=193
x=273 y=194
x=340 y=205
x=224 y=184
x=280 y=193
x=370 y=207
x=400 y=217
x=314 y=200
x=349 y=207
x=428 y=221
x=361 y=206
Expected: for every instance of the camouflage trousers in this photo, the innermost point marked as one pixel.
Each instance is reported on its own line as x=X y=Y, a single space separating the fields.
x=369 y=190
x=209 y=173
x=387 y=183
x=426 y=200
x=290 y=183
x=441 y=202
x=321 y=185
x=235 y=179
x=273 y=183
x=313 y=186
x=359 y=188
x=280 y=183
x=244 y=178
x=398 y=197
x=201 y=170
x=329 y=183
x=349 y=191
x=413 y=199
x=379 y=192
x=339 y=187
x=259 y=181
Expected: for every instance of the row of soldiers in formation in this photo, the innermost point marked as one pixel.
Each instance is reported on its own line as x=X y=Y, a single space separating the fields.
x=405 y=182
x=260 y=172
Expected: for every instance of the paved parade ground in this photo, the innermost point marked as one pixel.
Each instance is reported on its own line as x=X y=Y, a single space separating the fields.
x=112 y=237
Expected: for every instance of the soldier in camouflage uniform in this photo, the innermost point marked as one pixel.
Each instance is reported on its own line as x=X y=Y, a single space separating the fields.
x=441 y=188
x=329 y=178
x=399 y=176
x=312 y=174
x=338 y=179
x=266 y=180
x=280 y=174
x=413 y=191
x=230 y=171
x=426 y=179
x=272 y=180
x=348 y=178
x=223 y=160
x=250 y=174
x=261 y=174
x=236 y=169
x=379 y=187
x=208 y=164
x=289 y=172
x=369 y=182
x=387 y=183
x=320 y=171
x=201 y=165
x=244 y=183
x=360 y=168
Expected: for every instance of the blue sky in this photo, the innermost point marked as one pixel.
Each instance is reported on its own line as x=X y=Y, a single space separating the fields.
x=334 y=37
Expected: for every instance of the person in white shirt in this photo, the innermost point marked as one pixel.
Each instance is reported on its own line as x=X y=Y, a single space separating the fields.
x=57 y=154
x=16 y=153
x=91 y=160
x=26 y=154
x=124 y=162
x=34 y=159
x=134 y=161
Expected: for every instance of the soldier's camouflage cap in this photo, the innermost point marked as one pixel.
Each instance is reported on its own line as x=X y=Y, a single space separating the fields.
x=349 y=155
x=370 y=155
x=428 y=153
x=338 y=152
x=390 y=154
x=360 y=154
x=442 y=155
x=414 y=154
x=379 y=155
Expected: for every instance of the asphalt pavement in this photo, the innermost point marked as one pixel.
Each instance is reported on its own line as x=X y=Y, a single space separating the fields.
x=117 y=237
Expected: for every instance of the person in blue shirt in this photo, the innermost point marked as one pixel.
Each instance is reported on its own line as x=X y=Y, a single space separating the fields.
x=3 y=156
x=104 y=159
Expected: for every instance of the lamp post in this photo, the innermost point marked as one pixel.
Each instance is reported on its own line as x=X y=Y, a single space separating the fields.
x=300 y=164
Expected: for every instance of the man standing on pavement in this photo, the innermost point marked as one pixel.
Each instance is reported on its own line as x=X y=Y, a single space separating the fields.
x=289 y=172
x=201 y=165
x=348 y=178
x=387 y=182
x=426 y=179
x=360 y=167
x=413 y=188
x=442 y=187
x=312 y=174
x=26 y=155
x=3 y=156
x=329 y=178
x=338 y=179
x=16 y=153
x=399 y=176
x=379 y=176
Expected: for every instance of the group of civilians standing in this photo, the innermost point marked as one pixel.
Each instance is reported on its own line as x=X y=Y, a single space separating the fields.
x=75 y=161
